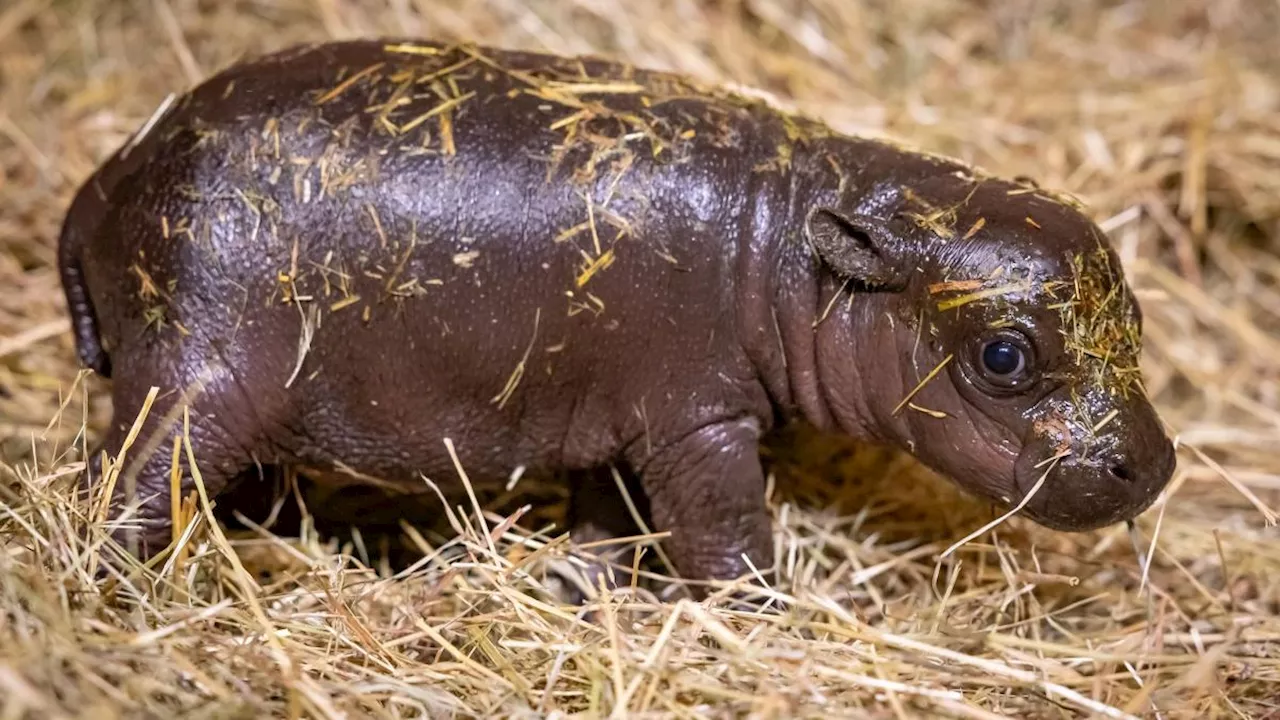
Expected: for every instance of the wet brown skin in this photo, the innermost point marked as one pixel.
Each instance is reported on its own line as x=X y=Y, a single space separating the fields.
x=565 y=263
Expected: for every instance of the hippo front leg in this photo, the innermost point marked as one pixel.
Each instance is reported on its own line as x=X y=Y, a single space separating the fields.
x=598 y=514
x=708 y=490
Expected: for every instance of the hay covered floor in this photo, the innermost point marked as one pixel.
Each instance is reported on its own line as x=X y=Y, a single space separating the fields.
x=1164 y=117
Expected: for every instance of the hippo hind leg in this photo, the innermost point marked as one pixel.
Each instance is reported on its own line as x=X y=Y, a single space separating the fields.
x=227 y=437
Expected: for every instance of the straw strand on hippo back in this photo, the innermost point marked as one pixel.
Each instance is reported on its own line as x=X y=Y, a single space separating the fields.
x=346 y=253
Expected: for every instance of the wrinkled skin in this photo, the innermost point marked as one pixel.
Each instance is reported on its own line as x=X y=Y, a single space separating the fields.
x=424 y=215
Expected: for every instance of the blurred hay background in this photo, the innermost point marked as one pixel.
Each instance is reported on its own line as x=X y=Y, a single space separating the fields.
x=1164 y=117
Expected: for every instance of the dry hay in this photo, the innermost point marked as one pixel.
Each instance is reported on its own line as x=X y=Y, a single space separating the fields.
x=1164 y=117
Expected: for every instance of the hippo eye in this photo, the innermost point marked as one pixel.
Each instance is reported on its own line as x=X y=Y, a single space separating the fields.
x=1006 y=360
x=1003 y=359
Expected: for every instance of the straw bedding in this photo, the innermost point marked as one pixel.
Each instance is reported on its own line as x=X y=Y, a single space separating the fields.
x=1163 y=117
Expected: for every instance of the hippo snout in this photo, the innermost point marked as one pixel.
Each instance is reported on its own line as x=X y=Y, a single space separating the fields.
x=1110 y=475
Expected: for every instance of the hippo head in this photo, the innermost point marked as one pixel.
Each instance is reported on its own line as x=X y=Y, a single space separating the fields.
x=991 y=333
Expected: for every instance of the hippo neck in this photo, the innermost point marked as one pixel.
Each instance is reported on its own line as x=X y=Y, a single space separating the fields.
x=789 y=297
x=779 y=282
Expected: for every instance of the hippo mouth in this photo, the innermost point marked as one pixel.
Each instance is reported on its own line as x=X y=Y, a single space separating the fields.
x=1084 y=482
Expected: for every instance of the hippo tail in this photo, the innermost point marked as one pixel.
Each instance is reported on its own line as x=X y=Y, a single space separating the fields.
x=71 y=247
x=86 y=214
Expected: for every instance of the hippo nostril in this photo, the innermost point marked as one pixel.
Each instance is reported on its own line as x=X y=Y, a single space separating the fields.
x=1122 y=473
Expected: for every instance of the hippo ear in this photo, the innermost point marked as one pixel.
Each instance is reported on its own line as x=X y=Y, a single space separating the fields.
x=858 y=247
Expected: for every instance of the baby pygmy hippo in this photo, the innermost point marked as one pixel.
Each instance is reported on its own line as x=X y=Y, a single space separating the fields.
x=343 y=254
